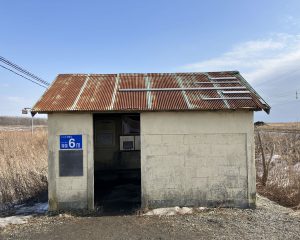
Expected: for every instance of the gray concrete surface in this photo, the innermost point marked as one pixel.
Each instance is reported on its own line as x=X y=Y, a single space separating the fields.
x=74 y=192
x=197 y=159
x=187 y=159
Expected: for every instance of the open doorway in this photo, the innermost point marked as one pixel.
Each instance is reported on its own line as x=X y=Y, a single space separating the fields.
x=117 y=163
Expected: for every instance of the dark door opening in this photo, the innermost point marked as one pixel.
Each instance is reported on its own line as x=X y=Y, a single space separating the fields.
x=117 y=163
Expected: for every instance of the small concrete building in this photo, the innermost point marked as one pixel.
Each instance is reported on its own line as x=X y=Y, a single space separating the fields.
x=151 y=140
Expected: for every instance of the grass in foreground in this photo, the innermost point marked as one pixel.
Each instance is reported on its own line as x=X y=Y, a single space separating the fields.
x=23 y=165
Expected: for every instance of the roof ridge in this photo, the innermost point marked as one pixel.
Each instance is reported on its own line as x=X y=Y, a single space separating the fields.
x=146 y=73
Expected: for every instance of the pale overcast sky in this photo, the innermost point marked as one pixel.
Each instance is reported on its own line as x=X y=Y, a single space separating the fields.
x=261 y=39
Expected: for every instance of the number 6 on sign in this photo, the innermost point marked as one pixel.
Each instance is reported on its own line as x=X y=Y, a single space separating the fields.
x=70 y=141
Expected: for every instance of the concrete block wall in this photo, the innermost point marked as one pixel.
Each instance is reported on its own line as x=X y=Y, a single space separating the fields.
x=197 y=159
x=70 y=192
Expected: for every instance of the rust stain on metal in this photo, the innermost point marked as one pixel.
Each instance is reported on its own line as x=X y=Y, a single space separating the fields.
x=103 y=93
x=128 y=100
x=97 y=93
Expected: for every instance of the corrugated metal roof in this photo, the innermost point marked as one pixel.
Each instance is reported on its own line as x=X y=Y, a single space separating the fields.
x=149 y=92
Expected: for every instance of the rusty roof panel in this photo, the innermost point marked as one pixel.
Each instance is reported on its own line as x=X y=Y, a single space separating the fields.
x=130 y=100
x=148 y=92
x=62 y=93
x=195 y=96
x=167 y=100
x=97 y=93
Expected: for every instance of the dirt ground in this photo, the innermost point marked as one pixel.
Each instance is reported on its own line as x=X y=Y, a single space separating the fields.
x=268 y=221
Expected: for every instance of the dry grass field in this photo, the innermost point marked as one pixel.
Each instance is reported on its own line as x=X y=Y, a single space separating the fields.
x=277 y=156
x=291 y=126
x=23 y=164
x=21 y=121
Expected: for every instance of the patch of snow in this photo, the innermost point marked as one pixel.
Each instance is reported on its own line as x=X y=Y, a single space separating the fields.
x=22 y=213
x=13 y=220
x=38 y=208
x=169 y=211
x=185 y=210
x=202 y=208
x=19 y=205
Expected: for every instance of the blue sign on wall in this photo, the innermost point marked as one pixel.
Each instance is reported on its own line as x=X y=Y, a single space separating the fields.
x=70 y=142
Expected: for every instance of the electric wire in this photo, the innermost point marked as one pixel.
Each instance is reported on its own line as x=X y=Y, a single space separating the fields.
x=282 y=103
x=22 y=76
x=15 y=66
x=278 y=78
x=24 y=71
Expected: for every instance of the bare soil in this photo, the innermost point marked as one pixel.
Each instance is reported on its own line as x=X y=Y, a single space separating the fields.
x=268 y=221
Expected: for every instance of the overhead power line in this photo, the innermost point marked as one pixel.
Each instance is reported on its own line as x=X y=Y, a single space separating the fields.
x=279 y=78
x=24 y=71
x=285 y=93
x=23 y=76
x=282 y=103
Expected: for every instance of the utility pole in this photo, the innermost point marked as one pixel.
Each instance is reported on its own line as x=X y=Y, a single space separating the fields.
x=26 y=111
x=297 y=99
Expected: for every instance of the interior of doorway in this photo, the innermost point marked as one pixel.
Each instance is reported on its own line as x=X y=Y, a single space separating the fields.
x=117 y=176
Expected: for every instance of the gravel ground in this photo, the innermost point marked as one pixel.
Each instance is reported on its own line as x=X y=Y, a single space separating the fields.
x=268 y=221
